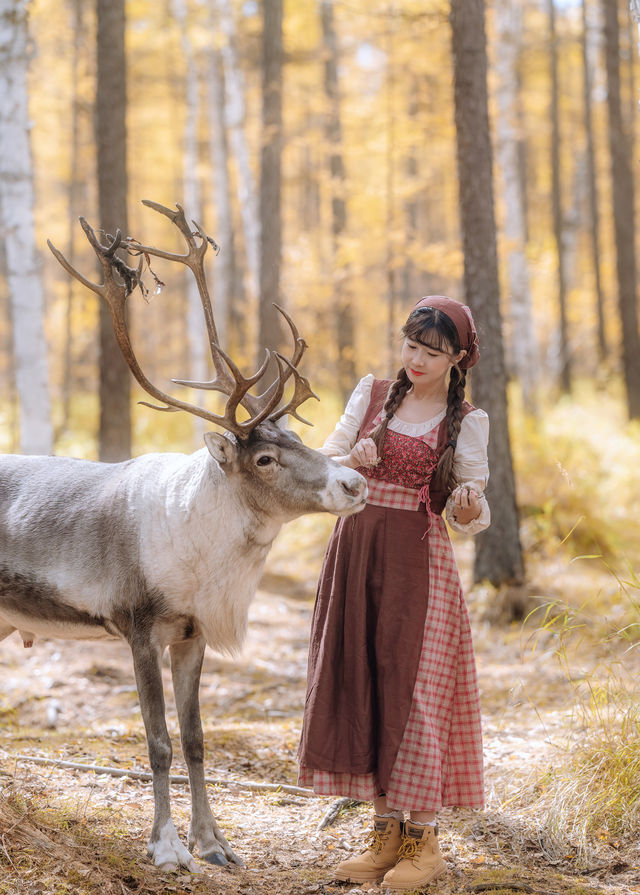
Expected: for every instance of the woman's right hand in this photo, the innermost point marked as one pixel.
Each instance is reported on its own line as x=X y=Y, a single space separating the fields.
x=363 y=453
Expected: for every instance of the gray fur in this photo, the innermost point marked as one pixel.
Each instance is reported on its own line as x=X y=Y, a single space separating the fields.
x=164 y=550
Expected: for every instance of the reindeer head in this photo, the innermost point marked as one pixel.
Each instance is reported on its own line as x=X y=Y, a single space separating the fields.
x=277 y=470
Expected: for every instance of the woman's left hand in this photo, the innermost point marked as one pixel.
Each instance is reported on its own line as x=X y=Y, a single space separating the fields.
x=468 y=502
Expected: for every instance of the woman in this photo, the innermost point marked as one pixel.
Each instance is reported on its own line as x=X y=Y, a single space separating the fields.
x=392 y=711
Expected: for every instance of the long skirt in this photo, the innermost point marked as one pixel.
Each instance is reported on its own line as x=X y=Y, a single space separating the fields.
x=392 y=701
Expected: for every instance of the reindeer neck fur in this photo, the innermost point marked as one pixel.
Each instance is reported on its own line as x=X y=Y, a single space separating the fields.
x=191 y=545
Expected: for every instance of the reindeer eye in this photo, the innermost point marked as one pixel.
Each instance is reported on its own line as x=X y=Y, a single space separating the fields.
x=265 y=460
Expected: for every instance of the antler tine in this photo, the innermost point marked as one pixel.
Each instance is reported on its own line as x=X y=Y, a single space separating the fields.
x=302 y=392
x=116 y=294
x=194 y=260
x=255 y=403
x=213 y=384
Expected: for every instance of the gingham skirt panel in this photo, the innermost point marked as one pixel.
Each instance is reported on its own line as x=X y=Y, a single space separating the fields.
x=439 y=762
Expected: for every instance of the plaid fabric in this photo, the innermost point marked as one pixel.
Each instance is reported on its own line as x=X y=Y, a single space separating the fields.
x=396 y=497
x=439 y=762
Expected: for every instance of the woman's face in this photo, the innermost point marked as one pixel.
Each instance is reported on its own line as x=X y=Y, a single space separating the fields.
x=426 y=365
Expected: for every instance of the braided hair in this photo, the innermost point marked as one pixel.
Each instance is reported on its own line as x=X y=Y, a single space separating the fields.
x=432 y=327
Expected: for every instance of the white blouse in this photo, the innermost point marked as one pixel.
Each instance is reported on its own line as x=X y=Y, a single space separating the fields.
x=470 y=465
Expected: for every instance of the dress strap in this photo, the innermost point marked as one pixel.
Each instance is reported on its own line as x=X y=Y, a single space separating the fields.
x=379 y=392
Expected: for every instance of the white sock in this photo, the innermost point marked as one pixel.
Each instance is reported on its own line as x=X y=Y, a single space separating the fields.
x=398 y=815
x=425 y=823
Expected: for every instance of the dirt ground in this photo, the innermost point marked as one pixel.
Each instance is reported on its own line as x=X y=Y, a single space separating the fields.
x=71 y=832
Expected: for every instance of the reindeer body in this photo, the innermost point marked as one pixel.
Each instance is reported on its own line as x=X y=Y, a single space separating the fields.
x=163 y=550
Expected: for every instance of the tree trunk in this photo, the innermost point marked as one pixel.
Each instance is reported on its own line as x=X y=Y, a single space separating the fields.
x=198 y=369
x=594 y=209
x=623 y=213
x=523 y=344
x=333 y=130
x=224 y=264
x=18 y=232
x=270 y=332
x=556 y=201
x=235 y=116
x=111 y=138
x=498 y=551
x=74 y=193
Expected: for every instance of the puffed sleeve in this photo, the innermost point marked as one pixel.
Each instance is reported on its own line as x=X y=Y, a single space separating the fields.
x=343 y=437
x=471 y=467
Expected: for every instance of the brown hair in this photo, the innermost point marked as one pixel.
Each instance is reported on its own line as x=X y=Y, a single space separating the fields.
x=432 y=327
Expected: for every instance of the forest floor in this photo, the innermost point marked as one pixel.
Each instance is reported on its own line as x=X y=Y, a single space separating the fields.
x=72 y=832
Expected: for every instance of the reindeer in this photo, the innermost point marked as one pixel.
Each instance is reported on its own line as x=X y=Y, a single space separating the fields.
x=164 y=550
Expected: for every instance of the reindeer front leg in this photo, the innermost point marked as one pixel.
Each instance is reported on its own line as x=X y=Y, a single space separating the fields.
x=186 y=666
x=164 y=847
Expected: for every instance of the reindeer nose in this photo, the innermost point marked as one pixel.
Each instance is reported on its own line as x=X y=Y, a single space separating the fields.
x=354 y=488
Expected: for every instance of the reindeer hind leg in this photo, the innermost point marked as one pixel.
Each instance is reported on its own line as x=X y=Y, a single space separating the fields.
x=186 y=666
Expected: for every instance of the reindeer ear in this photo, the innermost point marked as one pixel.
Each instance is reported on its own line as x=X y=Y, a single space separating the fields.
x=221 y=449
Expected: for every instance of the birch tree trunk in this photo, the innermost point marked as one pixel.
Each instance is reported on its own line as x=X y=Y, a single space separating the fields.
x=556 y=201
x=498 y=551
x=198 y=369
x=588 y=63
x=111 y=138
x=270 y=332
x=224 y=264
x=74 y=193
x=508 y=19
x=235 y=117
x=16 y=221
x=344 y=328
x=623 y=212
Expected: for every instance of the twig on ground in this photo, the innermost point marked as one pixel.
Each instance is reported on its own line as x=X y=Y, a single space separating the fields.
x=515 y=885
x=173 y=778
x=334 y=811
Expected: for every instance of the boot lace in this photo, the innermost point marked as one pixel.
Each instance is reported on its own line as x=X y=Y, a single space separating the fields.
x=376 y=839
x=410 y=847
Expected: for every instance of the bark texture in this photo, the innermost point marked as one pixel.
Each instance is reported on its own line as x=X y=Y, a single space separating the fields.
x=556 y=202
x=344 y=327
x=498 y=550
x=111 y=139
x=594 y=207
x=270 y=332
x=623 y=212
x=524 y=358
x=18 y=233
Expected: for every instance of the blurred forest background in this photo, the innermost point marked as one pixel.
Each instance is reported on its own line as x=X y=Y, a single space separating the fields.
x=348 y=158
x=325 y=147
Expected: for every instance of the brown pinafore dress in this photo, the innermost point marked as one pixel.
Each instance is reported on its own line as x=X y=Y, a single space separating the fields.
x=371 y=610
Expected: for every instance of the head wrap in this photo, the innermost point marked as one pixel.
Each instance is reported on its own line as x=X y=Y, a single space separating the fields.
x=461 y=317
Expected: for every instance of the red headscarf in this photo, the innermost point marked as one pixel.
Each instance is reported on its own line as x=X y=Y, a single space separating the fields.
x=460 y=316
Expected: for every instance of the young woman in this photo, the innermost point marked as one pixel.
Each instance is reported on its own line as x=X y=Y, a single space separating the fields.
x=392 y=711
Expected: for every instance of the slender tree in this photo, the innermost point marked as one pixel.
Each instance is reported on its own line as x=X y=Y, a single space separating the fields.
x=235 y=114
x=623 y=212
x=594 y=208
x=524 y=357
x=111 y=139
x=498 y=550
x=556 y=201
x=227 y=290
x=270 y=334
x=18 y=233
x=333 y=130
x=192 y=201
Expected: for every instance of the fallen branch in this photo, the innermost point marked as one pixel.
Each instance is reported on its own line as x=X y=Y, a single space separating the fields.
x=334 y=811
x=515 y=885
x=173 y=778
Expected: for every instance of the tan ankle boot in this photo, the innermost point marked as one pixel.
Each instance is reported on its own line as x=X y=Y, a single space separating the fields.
x=419 y=858
x=382 y=853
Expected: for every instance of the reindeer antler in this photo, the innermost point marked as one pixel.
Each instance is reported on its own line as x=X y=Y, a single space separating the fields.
x=228 y=378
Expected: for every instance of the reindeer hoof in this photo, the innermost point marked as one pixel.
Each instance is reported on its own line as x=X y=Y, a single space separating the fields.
x=216 y=857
